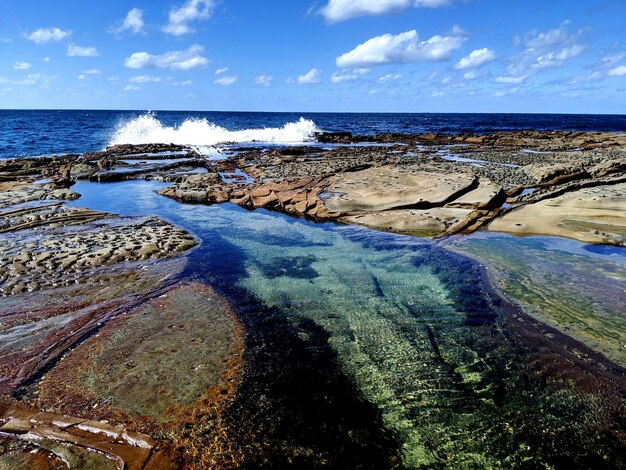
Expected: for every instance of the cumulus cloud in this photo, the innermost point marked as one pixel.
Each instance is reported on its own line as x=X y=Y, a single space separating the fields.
x=133 y=23
x=176 y=60
x=264 y=80
x=617 y=71
x=403 y=47
x=46 y=35
x=222 y=70
x=348 y=75
x=131 y=88
x=78 y=51
x=21 y=66
x=476 y=59
x=544 y=50
x=144 y=79
x=340 y=10
x=312 y=77
x=183 y=83
x=192 y=10
x=226 y=80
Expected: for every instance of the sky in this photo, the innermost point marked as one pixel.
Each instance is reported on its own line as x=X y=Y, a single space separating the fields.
x=528 y=56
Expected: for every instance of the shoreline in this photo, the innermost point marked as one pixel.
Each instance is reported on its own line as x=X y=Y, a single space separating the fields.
x=352 y=185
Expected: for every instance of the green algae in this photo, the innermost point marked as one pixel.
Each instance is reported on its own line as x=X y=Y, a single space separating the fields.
x=562 y=284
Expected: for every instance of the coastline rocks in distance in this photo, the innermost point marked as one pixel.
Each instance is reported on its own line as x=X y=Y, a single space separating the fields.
x=334 y=137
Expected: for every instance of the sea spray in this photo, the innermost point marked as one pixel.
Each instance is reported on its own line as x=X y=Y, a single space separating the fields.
x=147 y=129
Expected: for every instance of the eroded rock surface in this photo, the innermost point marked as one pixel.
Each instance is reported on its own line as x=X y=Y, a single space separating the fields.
x=593 y=215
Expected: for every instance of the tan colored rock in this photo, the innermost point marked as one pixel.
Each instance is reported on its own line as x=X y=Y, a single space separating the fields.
x=488 y=194
x=551 y=174
x=384 y=188
x=428 y=222
x=592 y=215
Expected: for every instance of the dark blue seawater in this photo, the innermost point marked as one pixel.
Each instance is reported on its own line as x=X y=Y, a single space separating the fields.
x=47 y=132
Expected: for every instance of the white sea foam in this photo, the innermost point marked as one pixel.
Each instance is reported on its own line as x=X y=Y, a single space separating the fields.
x=147 y=129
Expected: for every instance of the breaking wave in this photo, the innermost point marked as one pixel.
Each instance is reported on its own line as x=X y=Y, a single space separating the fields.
x=147 y=129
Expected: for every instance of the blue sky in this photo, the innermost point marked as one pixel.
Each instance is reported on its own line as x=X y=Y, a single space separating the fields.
x=559 y=56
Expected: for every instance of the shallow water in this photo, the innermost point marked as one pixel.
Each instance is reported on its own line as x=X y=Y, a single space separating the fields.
x=365 y=347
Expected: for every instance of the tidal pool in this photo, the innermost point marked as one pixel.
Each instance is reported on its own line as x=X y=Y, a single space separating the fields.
x=373 y=350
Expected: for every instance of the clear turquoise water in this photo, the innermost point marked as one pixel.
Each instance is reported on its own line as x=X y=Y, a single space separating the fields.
x=372 y=349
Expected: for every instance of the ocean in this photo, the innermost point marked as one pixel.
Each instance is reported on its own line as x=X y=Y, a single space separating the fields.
x=25 y=133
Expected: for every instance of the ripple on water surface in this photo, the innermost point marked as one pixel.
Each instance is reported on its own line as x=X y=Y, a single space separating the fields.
x=412 y=328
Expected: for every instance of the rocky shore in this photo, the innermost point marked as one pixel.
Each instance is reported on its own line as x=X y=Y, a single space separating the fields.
x=435 y=185
x=79 y=380
x=80 y=367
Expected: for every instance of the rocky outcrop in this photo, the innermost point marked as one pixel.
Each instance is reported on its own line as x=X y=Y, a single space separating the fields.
x=593 y=215
x=78 y=443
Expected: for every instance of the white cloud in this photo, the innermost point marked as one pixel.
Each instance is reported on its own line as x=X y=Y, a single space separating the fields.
x=340 y=10
x=507 y=80
x=133 y=23
x=21 y=66
x=403 y=47
x=226 y=80
x=46 y=59
x=476 y=59
x=144 y=79
x=191 y=10
x=312 y=77
x=131 y=88
x=264 y=80
x=78 y=51
x=176 y=60
x=544 y=50
x=86 y=73
x=35 y=79
x=592 y=77
x=610 y=60
x=560 y=35
x=46 y=35
x=183 y=83
x=390 y=77
x=222 y=70
x=617 y=71
x=471 y=75
x=348 y=75
x=556 y=59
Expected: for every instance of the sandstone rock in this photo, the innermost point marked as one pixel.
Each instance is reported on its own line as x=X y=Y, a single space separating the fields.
x=384 y=188
x=555 y=173
x=487 y=195
x=592 y=215
x=429 y=222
